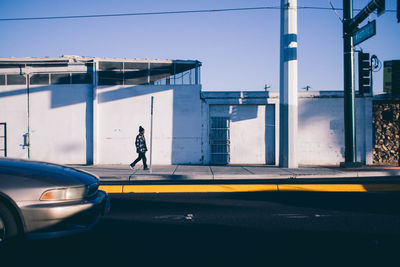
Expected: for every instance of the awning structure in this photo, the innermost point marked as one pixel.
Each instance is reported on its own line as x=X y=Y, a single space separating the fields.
x=69 y=69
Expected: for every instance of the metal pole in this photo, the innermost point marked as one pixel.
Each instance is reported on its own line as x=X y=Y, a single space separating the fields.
x=288 y=86
x=349 y=95
x=151 y=133
x=28 y=135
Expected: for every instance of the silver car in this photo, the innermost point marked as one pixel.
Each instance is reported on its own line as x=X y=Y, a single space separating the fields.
x=40 y=200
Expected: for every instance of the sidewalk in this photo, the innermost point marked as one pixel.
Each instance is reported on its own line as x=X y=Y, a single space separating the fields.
x=234 y=172
x=205 y=179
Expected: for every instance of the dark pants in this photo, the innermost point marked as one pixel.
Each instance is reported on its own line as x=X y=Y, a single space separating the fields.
x=141 y=156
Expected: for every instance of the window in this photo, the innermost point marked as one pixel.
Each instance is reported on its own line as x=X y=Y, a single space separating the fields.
x=103 y=65
x=16 y=79
x=81 y=78
x=60 y=78
x=136 y=65
x=136 y=77
x=110 y=77
x=2 y=79
x=39 y=79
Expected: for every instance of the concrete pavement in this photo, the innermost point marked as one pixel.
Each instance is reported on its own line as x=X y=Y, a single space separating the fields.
x=249 y=178
x=234 y=172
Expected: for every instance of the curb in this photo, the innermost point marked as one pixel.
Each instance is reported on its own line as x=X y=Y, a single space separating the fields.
x=225 y=188
x=216 y=177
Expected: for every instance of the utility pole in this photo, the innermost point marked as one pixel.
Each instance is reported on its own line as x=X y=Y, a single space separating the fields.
x=288 y=86
x=350 y=27
x=350 y=155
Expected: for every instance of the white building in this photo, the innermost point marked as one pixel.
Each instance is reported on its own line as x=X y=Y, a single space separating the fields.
x=79 y=110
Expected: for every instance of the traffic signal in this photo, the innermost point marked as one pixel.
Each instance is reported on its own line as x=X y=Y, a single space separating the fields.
x=398 y=11
x=364 y=69
x=381 y=7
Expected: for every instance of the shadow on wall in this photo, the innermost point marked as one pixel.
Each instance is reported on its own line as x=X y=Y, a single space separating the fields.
x=184 y=106
x=321 y=130
x=60 y=96
x=186 y=114
x=242 y=132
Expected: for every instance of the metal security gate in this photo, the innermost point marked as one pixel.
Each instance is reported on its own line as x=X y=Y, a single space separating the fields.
x=220 y=140
x=3 y=139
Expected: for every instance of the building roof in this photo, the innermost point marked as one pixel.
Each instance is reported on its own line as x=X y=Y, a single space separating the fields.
x=11 y=62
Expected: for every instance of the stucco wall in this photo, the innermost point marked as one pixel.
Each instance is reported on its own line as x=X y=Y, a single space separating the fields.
x=14 y=112
x=61 y=124
x=177 y=125
x=247 y=131
x=321 y=130
x=57 y=121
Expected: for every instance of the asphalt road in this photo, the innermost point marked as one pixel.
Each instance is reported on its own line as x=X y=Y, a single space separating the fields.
x=246 y=229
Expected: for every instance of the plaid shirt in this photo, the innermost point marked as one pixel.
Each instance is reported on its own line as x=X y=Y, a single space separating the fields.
x=140 y=144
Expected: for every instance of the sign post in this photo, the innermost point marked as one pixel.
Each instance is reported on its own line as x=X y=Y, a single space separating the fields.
x=350 y=32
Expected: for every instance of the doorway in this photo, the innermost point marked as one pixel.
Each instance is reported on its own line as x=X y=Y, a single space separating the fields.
x=220 y=140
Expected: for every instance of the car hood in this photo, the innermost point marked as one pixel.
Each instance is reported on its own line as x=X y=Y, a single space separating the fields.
x=32 y=174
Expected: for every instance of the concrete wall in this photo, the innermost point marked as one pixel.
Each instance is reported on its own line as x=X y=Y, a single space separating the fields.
x=177 y=125
x=321 y=130
x=321 y=126
x=253 y=117
x=57 y=121
x=14 y=112
x=247 y=132
x=65 y=122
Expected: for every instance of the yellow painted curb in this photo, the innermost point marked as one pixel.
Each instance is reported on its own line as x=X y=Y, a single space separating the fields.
x=216 y=188
x=198 y=188
x=340 y=187
x=111 y=188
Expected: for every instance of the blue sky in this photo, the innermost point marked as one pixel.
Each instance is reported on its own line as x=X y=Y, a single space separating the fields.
x=239 y=50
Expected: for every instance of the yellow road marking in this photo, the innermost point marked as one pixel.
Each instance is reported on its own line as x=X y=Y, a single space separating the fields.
x=215 y=188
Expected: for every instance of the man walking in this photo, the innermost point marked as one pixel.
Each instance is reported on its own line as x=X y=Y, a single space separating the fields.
x=141 y=149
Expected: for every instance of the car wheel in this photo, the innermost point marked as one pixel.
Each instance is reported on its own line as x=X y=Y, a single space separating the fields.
x=8 y=225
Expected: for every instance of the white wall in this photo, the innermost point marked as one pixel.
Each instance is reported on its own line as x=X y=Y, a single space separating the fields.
x=321 y=126
x=247 y=132
x=58 y=123
x=176 y=127
x=321 y=130
x=14 y=112
x=57 y=116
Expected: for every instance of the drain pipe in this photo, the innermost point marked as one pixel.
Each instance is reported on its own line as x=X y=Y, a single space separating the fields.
x=27 y=140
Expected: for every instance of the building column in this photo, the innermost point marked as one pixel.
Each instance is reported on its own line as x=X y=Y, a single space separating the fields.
x=288 y=86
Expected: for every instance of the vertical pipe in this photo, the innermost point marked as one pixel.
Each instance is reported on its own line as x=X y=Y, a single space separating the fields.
x=28 y=137
x=151 y=133
x=288 y=86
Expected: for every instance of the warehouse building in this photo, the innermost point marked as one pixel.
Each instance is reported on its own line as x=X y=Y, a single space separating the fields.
x=84 y=110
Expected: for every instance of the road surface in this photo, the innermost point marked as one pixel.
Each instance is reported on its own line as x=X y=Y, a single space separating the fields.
x=241 y=229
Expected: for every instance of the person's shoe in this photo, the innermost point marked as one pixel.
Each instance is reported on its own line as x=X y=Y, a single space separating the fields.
x=131 y=167
x=145 y=168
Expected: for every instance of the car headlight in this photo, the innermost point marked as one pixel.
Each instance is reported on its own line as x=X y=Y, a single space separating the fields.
x=70 y=193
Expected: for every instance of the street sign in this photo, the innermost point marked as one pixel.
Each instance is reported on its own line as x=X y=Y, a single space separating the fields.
x=364 y=33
